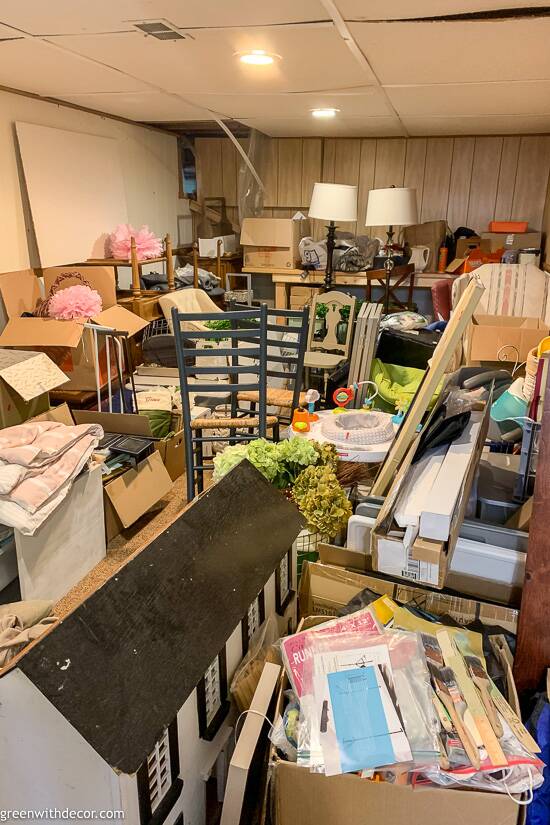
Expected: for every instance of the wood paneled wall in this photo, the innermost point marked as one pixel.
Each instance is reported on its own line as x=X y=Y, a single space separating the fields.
x=467 y=181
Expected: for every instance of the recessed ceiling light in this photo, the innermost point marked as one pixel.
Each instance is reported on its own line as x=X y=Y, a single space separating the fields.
x=258 y=57
x=324 y=112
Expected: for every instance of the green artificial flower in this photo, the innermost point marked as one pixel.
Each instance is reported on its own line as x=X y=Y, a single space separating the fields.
x=229 y=458
x=322 y=500
x=264 y=456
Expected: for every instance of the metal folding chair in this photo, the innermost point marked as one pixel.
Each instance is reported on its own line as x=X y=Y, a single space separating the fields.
x=239 y=378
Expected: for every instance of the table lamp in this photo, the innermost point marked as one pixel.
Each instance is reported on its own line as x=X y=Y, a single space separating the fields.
x=391 y=207
x=332 y=202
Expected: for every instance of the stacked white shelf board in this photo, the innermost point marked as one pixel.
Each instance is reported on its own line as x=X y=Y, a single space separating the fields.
x=364 y=348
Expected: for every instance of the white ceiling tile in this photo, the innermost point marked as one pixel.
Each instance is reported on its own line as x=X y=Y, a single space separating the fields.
x=477 y=125
x=339 y=127
x=371 y=102
x=456 y=52
x=70 y=17
x=522 y=98
x=141 y=106
x=34 y=66
x=313 y=57
x=397 y=9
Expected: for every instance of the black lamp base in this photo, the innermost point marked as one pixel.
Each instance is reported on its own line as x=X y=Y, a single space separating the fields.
x=331 y=242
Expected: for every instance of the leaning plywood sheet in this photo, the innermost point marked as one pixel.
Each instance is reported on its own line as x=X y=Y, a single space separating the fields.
x=438 y=364
x=76 y=191
x=123 y=663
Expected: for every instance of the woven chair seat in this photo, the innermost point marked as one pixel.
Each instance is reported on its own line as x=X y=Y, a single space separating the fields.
x=217 y=423
x=275 y=398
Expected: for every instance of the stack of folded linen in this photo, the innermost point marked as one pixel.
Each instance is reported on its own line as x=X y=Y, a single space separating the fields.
x=38 y=462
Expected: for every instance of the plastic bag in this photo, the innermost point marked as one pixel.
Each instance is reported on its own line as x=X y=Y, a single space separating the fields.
x=262 y=649
x=396 y=660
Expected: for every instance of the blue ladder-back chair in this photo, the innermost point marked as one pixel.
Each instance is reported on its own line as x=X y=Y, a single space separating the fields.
x=194 y=378
x=285 y=359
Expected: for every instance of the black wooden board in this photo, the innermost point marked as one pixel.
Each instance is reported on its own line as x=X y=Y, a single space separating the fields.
x=123 y=663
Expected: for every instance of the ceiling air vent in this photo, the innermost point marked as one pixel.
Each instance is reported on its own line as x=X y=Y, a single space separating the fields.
x=160 y=29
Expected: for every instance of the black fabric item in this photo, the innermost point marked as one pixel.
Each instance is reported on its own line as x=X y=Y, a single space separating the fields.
x=408 y=349
x=161 y=349
x=441 y=430
x=361 y=600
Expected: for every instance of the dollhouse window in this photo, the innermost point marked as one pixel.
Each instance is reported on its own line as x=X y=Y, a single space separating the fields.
x=212 y=703
x=283 y=583
x=254 y=617
x=159 y=785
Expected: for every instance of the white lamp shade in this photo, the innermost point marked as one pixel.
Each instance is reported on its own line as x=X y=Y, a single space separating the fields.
x=333 y=202
x=391 y=207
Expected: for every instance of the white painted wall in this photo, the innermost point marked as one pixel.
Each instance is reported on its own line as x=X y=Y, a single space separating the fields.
x=149 y=166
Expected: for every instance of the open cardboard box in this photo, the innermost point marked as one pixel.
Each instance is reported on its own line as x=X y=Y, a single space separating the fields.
x=325 y=589
x=171 y=448
x=272 y=243
x=299 y=797
x=26 y=379
x=130 y=495
x=487 y=334
x=68 y=343
x=426 y=561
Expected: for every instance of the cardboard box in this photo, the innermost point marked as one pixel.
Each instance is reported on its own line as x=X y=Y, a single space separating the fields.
x=100 y=278
x=299 y=797
x=326 y=589
x=464 y=245
x=272 y=243
x=512 y=240
x=68 y=343
x=171 y=449
x=304 y=798
x=488 y=333
x=25 y=381
x=425 y=561
x=132 y=494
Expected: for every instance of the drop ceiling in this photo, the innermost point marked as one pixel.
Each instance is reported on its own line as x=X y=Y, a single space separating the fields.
x=391 y=67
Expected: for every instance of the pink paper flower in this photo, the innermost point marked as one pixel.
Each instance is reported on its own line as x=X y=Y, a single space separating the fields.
x=75 y=302
x=147 y=245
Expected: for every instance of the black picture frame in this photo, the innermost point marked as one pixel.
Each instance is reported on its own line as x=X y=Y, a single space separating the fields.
x=208 y=728
x=159 y=816
x=248 y=631
x=283 y=583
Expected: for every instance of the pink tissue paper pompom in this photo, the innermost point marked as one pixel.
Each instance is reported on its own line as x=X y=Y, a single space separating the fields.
x=75 y=302
x=147 y=245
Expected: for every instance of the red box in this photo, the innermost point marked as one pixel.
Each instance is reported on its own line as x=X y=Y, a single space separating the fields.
x=508 y=226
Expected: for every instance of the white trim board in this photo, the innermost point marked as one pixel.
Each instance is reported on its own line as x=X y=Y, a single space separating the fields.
x=435 y=523
x=419 y=487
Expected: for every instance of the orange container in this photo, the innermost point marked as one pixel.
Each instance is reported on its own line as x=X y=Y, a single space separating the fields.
x=508 y=226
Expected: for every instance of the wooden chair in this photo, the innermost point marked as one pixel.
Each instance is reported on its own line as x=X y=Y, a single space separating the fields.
x=324 y=351
x=194 y=378
x=288 y=353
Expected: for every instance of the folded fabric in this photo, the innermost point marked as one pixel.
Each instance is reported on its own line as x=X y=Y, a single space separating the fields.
x=38 y=462
x=14 y=637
